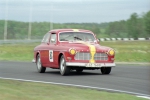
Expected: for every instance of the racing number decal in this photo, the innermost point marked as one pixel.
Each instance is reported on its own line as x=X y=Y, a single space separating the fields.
x=51 y=55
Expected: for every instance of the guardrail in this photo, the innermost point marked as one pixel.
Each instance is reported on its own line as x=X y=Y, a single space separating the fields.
x=123 y=39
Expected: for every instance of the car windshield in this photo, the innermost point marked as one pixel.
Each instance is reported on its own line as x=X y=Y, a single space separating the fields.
x=76 y=36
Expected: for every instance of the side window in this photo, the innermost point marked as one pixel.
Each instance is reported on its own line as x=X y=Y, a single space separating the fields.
x=53 y=38
x=46 y=38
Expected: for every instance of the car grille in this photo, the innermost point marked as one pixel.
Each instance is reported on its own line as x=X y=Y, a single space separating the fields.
x=87 y=56
x=101 y=56
x=82 y=56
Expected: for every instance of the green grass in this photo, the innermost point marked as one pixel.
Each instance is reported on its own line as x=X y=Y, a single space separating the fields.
x=18 y=90
x=17 y=52
x=133 y=51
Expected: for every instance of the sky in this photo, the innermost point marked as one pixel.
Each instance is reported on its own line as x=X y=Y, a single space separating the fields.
x=68 y=11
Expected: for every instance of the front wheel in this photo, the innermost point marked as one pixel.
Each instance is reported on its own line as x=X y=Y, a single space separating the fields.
x=106 y=70
x=40 y=68
x=64 y=70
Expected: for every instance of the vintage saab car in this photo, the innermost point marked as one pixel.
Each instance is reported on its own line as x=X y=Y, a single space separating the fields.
x=72 y=49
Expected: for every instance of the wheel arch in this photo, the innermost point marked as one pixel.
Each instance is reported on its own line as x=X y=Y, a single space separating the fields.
x=59 y=57
x=37 y=53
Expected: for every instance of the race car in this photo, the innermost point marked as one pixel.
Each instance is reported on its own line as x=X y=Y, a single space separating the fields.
x=73 y=49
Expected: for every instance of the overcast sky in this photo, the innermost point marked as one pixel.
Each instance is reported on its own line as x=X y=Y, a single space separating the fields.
x=78 y=11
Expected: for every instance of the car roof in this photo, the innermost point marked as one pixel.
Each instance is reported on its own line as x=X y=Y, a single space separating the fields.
x=70 y=30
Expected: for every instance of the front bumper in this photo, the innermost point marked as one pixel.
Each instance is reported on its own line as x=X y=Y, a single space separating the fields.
x=95 y=65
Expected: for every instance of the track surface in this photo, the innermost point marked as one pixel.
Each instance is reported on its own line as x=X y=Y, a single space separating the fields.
x=133 y=78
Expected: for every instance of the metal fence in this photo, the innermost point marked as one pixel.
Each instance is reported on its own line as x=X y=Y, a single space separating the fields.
x=124 y=39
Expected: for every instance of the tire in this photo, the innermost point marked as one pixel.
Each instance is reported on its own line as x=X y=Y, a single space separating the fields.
x=105 y=70
x=39 y=66
x=79 y=70
x=64 y=70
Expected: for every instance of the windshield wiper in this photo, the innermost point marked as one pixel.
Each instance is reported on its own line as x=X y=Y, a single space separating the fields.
x=77 y=38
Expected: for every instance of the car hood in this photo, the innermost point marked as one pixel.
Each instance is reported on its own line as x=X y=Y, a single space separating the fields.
x=84 y=46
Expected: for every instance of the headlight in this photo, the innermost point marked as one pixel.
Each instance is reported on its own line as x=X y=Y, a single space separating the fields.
x=72 y=51
x=111 y=52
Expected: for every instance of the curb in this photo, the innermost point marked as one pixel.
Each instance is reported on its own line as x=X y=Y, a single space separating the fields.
x=134 y=63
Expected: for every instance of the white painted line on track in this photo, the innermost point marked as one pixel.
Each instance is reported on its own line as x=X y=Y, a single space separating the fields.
x=144 y=97
x=82 y=86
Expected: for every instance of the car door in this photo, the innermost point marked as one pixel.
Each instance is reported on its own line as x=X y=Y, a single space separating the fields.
x=44 y=49
x=51 y=57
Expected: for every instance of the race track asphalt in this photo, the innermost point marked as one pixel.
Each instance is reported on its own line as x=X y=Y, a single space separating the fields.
x=133 y=78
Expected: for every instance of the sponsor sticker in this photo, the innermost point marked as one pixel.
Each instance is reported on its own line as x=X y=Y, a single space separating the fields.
x=51 y=55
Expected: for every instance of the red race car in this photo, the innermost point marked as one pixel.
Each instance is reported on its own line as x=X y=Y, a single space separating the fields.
x=72 y=49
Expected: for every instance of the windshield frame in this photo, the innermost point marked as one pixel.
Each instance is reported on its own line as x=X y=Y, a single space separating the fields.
x=78 y=39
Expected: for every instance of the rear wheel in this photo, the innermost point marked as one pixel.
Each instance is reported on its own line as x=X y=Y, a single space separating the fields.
x=40 y=68
x=64 y=70
x=106 y=70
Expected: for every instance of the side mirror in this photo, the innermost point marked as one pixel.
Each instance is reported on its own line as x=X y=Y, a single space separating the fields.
x=98 y=41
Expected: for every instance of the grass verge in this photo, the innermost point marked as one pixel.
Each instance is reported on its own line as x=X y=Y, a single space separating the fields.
x=17 y=52
x=131 y=51
x=18 y=90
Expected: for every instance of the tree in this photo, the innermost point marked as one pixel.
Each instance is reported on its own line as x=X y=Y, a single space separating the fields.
x=147 y=22
x=132 y=25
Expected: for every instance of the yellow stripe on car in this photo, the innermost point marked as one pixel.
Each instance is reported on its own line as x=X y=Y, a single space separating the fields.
x=92 y=51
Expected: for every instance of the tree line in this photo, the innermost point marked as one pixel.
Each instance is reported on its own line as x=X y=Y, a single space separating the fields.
x=134 y=27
